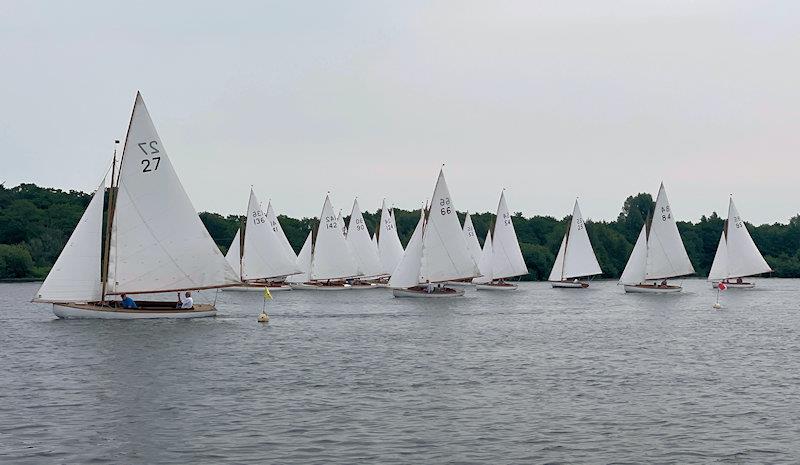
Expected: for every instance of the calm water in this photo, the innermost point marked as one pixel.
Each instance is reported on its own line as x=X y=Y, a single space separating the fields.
x=536 y=376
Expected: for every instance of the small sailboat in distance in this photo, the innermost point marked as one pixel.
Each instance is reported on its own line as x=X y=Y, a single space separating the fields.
x=737 y=256
x=331 y=262
x=390 y=249
x=507 y=260
x=155 y=241
x=576 y=258
x=437 y=252
x=262 y=257
x=658 y=255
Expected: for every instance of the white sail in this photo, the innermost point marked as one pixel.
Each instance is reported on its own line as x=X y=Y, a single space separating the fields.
x=158 y=241
x=666 y=255
x=407 y=272
x=75 y=276
x=634 y=272
x=272 y=221
x=507 y=258
x=263 y=255
x=485 y=261
x=741 y=257
x=303 y=263
x=331 y=258
x=719 y=267
x=364 y=251
x=390 y=250
x=472 y=239
x=234 y=255
x=557 y=273
x=340 y=222
x=445 y=256
x=579 y=258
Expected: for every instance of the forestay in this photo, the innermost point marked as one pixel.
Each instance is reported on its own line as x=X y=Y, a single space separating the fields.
x=364 y=251
x=445 y=256
x=507 y=258
x=75 y=276
x=666 y=255
x=264 y=255
x=331 y=257
x=303 y=263
x=158 y=241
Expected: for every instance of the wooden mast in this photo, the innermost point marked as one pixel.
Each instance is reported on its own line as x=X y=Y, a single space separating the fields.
x=109 y=220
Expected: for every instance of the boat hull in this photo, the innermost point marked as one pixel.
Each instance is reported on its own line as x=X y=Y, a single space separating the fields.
x=496 y=287
x=318 y=287
x=365 y=287
x=90 y=311
x=569 y=284
x=639 y=289
x=257 y=288
x=422 y=294
x=734 y=285
x=459 y=284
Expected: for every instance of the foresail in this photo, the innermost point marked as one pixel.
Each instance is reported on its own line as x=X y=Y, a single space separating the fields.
x=744 y=258
x=390 y=249
x=557 y=273
x=272 y=221
x=634 y=272
x=445 y=256
x=75 y=276
x=579 y=258
x=719 y=267
x=472 y=239
x=234 y=255
x=666 y=255
x=485 y=261
x=507 y=259
x=264 y=255
x=159 y=243
x=364 y=251
x=303 y=263
x=331 y=258
x=407 y=272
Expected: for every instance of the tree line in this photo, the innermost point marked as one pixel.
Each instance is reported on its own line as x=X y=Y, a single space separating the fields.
x=35 y=223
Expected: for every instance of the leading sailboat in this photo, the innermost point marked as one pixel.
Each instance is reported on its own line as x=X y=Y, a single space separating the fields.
x=264 y=256
x=575 y=257
x=737 y=255
x=436 y=253
x=155 y=241
x=658 y=255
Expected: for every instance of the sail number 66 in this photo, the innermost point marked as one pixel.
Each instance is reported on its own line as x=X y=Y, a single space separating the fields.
x=445 y=204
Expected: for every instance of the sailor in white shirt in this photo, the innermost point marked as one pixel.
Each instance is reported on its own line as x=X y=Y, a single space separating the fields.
x=185 y=302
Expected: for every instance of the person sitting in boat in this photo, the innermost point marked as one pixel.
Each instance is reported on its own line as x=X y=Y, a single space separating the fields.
x=664 y=283
x=128 y=302
x=739 y=281
x=428 y=287
x=187 y=302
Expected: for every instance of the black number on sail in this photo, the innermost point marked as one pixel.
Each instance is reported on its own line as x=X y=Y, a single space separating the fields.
x=146 y=162
x=153 y=145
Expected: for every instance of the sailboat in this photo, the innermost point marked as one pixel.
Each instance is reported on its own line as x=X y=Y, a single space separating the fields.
x=331 y=261
x=261 y=255
x=436 y=253
x=659 y=253
x=737 y=255
x=575 y=257
x=363 y=250
x=390 y=249
x=507 y=258
x=155 y=241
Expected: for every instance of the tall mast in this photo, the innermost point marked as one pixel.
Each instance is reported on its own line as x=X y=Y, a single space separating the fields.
x=107 y=245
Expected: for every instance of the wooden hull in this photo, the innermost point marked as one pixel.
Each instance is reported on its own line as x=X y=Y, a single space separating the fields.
x=645 y=289
x=496 y=287
x=253 y=288
x=109 y=313
x=319 y=287
x=714 y=285
x=569 y=284
x=422 y=294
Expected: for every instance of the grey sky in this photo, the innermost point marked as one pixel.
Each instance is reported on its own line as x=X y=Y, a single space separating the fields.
x=600 y=99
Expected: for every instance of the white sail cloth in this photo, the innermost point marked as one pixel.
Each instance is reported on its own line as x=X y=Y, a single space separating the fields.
x=576 y=257
x=234 y=255
x=507 y=260
x=331 y=257
x=75 y=276
x=485 y=261
x=390 y=249
x=737 y=255
x=303 y=263
x=472 y=239
x=264 y=255
x=361 y=245
x=407 y=272
x=158 y=242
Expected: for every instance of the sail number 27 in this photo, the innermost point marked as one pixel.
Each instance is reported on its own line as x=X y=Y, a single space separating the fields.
x=147 y=162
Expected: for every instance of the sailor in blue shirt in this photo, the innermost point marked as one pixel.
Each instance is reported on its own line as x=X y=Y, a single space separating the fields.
x=127 y=302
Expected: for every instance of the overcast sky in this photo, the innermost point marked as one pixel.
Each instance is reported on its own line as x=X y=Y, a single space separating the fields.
x=551 y=100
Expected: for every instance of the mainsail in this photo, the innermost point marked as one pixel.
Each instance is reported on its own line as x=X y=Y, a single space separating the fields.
x=390 y=250
x=364 y=251
x=264 y=255
x=331 y=257
x=158 y=242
